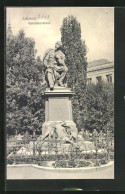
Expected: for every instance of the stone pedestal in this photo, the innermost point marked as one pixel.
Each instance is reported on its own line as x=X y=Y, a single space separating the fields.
x=58 y=107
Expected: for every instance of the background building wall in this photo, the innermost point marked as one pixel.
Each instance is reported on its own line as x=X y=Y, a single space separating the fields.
x=100 y=71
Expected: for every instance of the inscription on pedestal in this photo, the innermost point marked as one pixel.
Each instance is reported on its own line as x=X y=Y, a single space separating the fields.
x=59 y=109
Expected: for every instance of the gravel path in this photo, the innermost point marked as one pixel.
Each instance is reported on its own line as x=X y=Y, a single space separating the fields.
x=29 y=172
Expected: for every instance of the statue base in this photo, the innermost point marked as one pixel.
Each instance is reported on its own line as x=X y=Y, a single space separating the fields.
x=60 y=130
x=58 y=109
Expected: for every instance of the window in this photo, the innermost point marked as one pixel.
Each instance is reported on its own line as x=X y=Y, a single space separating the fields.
x=109 y=78
x=98 y=79
x=89 y=80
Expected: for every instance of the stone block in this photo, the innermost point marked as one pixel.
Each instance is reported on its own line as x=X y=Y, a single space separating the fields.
x=58 y=108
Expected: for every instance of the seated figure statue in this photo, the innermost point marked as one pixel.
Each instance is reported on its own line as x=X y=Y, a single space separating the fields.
x=55 y=67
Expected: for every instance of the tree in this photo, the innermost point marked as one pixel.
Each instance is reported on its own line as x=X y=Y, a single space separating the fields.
x=75 y=51
x=100 y=107
x=25 y=84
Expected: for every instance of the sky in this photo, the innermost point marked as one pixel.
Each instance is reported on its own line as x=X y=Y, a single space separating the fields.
x=97 y=27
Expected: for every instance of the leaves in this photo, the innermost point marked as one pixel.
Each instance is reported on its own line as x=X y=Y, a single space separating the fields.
x=24 y=80
x=100 y=107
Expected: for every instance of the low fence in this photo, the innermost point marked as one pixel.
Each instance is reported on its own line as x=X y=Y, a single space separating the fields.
x=94 y=151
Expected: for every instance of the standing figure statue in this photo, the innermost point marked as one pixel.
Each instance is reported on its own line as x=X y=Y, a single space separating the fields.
x=55 y=67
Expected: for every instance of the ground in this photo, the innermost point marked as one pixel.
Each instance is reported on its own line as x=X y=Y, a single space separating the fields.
x=30 y=172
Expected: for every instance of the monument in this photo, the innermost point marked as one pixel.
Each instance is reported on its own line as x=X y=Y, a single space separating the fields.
x=58 y=105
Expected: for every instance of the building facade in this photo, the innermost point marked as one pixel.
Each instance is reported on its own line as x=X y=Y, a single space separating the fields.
x=100 y=70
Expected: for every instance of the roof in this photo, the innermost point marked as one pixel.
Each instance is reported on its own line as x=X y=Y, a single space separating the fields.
x=98 y=62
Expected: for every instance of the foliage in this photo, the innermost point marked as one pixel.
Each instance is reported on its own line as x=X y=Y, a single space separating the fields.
x=24 y=78
x=100 y=107
x=93 y=107
x=83 y=160
x=75 y=51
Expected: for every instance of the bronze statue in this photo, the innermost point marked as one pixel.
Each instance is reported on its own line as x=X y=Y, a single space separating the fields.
x=55 y=67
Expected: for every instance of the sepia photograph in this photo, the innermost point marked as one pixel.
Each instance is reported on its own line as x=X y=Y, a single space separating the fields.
x=59 y=93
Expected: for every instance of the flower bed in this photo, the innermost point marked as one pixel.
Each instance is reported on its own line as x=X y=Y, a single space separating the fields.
x=66 y=160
